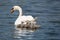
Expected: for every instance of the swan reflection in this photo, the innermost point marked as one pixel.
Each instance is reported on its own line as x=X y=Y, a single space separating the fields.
x=23 y=33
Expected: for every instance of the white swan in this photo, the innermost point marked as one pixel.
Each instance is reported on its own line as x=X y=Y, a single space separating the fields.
x=21 y=18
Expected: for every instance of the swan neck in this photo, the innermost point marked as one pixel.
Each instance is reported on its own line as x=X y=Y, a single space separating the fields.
x=20 y=12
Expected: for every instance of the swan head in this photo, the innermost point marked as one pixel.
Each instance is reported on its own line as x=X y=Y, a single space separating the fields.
x=15 y=8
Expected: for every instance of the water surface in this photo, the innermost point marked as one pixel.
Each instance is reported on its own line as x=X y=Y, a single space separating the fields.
x=47 y=11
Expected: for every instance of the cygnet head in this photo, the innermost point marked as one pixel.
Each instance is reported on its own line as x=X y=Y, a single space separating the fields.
x=15 y=8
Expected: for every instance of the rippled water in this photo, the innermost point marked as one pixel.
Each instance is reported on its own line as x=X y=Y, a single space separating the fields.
x=47 y=11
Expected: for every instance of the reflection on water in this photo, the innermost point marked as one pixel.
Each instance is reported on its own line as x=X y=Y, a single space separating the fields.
x=23 y=34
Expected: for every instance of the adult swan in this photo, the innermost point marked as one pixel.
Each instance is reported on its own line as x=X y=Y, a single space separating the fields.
x=22 y=19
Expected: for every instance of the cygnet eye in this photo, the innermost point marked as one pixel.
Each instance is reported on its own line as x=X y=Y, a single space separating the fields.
x=22 y=22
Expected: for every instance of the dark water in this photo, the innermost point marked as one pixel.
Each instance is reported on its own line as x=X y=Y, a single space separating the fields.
x=47 y=11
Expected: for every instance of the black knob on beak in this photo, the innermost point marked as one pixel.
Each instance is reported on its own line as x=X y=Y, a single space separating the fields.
x=12 y=10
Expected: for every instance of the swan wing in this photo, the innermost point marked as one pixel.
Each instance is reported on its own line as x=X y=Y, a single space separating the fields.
x=24 y=19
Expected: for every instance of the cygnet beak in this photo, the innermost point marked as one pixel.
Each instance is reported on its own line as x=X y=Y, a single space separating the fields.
x=12 y=10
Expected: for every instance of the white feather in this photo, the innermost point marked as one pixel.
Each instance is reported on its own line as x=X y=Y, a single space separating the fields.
x=21 y=18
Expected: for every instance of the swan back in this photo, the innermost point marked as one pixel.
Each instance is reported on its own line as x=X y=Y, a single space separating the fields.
x=24 y=19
